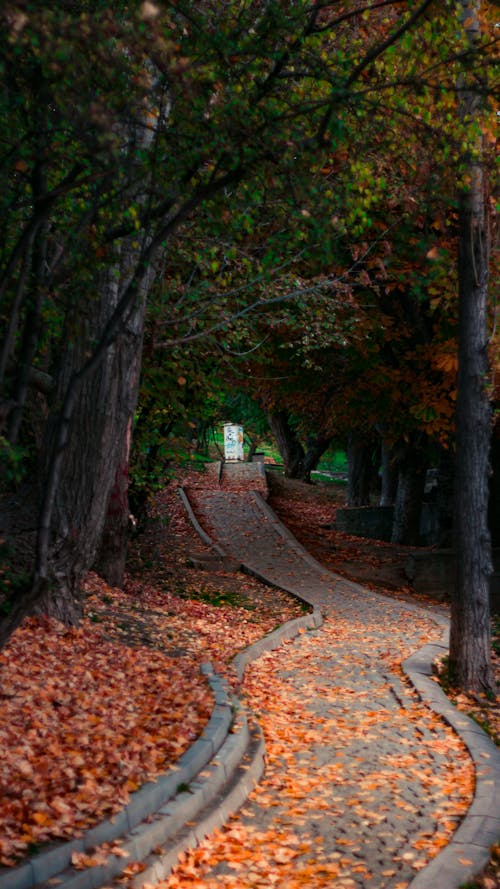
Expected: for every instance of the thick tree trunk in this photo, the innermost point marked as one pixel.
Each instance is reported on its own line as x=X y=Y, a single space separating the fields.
x=112 y=554
x=287 y=443
x=298 y=463
x=83 y=446
x=97 y=452
x=359 y=470
x=408 y=504
x=470 y=644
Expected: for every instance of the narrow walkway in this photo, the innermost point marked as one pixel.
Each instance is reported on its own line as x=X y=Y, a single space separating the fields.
x=363 y=784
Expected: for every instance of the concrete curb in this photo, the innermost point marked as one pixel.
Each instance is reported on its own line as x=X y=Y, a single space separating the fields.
x=246 y=775
x=287 y=535
x=469 y=848
x=196 y=525
x=273 y=640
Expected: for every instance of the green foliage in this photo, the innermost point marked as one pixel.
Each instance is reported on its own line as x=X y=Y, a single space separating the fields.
x=12 y=465
x=13 y=582
x=333 y=461
x=218 y=598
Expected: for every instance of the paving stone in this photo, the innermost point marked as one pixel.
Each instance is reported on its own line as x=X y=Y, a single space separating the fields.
x=18 y=878
x=54 y=860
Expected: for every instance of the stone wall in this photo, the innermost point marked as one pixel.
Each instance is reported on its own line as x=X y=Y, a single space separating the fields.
x=374 y=522
x=431 y=572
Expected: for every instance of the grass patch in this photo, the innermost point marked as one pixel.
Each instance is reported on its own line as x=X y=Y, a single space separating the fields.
x=217 y=598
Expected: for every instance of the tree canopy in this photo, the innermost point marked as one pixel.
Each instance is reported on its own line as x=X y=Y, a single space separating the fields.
x=204 y=187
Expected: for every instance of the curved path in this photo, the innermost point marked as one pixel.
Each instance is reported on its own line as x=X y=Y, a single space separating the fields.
x=364 y=784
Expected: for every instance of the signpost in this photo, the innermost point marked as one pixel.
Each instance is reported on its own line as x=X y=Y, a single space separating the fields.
x=233 y=442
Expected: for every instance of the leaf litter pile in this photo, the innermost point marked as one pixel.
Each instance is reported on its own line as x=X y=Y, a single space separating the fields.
x=89 y=714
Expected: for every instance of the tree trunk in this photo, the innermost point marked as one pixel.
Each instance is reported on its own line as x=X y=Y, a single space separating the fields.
x=82 y=449
x=96 y=460
x=359 y=470
x=112 y=555
x=388 y=477
x=253 y=444
x=408 y=504
x=316 y=447
x=287 y=443
x=470 y=644
x=494 y=501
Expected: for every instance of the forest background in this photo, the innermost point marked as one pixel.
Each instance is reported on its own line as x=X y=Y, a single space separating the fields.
x=293 y=201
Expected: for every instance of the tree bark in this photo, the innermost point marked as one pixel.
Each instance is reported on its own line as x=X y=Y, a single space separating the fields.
x=316 y=447
x=112 y=554
x=253 y=444
x=388 y=477
x=412 y=467
x=494 y=502
x=98 y=447
x=298 y=462
x=287 y=443
x=470 y=643
x=359 y=470
x=82 y=448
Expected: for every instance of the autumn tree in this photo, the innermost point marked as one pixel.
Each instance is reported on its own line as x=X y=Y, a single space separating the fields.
x=189 y=119
x=173 y=107
x=418 y=393
x=470 y=658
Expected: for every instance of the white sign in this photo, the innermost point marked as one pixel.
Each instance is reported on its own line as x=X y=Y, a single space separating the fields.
x=233 y=442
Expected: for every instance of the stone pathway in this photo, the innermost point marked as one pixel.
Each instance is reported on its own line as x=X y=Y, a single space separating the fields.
x=363 y=783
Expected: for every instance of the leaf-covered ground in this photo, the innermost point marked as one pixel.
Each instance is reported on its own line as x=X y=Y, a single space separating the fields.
x=328 y=813
x=89 y=714
x=309 y=511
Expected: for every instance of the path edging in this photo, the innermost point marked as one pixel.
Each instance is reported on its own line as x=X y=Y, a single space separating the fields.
x=202 y=534
x=468 y=851
x=288 y=630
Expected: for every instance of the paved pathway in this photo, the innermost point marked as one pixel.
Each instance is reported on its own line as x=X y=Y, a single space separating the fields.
x=363 y=783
